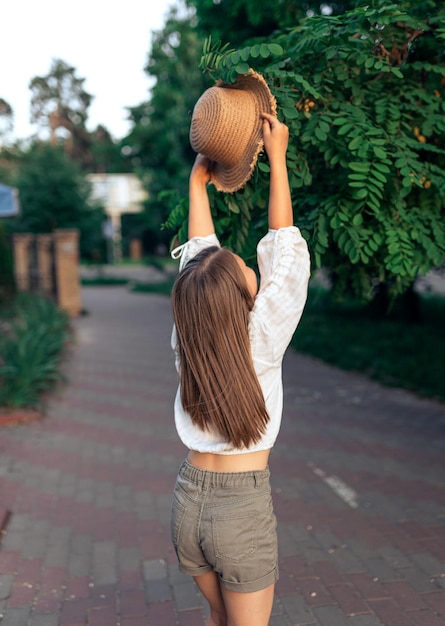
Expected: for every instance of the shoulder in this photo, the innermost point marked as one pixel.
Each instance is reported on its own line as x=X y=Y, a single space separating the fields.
x=192 y=247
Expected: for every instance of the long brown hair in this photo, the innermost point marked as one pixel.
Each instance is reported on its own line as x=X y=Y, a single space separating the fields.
x=219 y=387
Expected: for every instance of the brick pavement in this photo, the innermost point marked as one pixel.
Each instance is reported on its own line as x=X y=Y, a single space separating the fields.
x=358 y=476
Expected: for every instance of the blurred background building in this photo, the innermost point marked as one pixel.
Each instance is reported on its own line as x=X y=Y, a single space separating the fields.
x=118 y=194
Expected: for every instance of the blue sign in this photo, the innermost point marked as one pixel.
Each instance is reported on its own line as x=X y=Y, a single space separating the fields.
x=9 y=201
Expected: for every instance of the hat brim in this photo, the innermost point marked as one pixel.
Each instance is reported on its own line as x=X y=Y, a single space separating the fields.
x=233 y=178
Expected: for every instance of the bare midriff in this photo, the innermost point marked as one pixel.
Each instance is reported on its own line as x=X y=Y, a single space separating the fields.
x=247 y=462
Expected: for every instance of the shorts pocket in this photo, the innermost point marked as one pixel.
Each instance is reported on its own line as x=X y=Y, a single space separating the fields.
x=177 y=517
x=235 y=535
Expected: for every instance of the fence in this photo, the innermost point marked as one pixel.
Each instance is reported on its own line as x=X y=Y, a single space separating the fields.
x=49 y=264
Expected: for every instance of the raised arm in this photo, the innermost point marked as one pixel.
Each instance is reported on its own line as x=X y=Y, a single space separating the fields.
x=275 y=137
x=200 y=217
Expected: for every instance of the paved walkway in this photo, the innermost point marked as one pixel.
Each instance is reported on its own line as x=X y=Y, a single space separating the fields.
x=358 y=480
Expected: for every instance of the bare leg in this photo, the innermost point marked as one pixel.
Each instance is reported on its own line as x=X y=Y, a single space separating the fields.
x=249 y=609
x=211 y=590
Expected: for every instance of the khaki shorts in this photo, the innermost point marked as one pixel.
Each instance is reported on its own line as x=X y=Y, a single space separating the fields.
x=224 y=522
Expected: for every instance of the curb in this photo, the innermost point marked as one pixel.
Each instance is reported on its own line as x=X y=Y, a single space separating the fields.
x=11 y=417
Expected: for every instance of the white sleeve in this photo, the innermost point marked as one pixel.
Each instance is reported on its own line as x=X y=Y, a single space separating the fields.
x=284 y=264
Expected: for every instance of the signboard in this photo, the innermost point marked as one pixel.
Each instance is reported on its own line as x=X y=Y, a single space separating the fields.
x=9 y=201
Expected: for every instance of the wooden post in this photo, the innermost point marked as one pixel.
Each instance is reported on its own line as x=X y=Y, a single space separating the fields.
x=66 y=248
x=45 y=262
x=22 y=243
x=135 y=250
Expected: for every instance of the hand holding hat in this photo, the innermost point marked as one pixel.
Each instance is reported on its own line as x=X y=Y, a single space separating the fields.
x=227 y=128
x=275 y=137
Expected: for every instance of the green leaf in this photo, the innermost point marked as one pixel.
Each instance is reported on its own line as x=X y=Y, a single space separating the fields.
x=358 y=177
x=378 y=238
x=360 y=166
x=264 y=167
x=345 y=129
x=322 y=136
x=275 y=49
x=335 y=222
x=244 y=54
x=255 y=51
x=376 y=191
x=379 y=152
x=360 y=194
x=379 y=176
x=381 y=167
x=362 y=151
x=264 y=51
x=233 y=206
x=290 y=113
x=355 y=143
x=242 y=68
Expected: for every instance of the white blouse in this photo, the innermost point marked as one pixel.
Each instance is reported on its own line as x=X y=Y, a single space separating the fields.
x=284 y=264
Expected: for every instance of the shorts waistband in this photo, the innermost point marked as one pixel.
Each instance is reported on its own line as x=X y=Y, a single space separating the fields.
x=206 y=478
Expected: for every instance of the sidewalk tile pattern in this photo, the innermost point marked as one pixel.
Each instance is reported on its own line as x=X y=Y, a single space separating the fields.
x=358 y=476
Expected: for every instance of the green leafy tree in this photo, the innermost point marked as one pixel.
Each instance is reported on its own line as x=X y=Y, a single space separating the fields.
x=59 y=100
x=54 y=194
x=363 y=94
x=60 y=103
x=107 y=153
x=59 y=93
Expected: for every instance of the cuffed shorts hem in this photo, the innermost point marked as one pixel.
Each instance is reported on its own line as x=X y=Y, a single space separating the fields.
x=195 y=571
x=254 y=585
x=245 y=587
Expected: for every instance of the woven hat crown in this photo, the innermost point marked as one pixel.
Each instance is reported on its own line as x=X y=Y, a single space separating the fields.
x=226 y=127
x=224 y=121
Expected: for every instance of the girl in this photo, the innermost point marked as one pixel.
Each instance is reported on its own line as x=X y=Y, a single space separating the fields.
x=230 y=338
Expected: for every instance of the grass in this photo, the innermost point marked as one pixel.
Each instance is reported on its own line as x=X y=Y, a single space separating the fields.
x=104 y=281
x=391 y=351
x=164 y=287
x=33 y=332
x=162 y=263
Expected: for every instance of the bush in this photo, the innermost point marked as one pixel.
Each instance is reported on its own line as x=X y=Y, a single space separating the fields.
x=33 y=332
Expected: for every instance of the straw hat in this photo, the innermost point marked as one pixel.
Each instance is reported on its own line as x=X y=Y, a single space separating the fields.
x=227 y=128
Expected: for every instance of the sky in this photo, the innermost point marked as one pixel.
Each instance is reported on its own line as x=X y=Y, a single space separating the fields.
x=108 y=43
